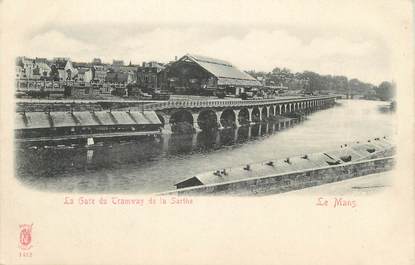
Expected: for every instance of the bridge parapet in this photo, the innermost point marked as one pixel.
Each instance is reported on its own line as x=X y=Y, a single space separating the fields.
x=172 y=104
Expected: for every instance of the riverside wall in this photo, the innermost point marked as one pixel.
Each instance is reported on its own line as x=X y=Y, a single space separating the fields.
x=290 y=181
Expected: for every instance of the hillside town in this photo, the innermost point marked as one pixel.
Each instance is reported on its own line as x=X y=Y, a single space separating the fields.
x=190 y=75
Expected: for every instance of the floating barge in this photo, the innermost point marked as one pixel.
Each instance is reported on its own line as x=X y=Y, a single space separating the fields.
x=281 y=175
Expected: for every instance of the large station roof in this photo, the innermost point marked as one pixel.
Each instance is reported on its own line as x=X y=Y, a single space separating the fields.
x=225 y=72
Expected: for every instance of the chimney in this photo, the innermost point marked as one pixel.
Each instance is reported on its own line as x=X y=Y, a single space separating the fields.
x=175 y=58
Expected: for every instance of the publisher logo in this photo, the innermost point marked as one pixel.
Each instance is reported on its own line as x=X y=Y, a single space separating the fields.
x=25 y=240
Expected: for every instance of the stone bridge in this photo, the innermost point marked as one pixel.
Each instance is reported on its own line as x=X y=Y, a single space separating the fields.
x=205 y=114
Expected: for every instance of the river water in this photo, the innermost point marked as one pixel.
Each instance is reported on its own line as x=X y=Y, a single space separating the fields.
x=155 y=166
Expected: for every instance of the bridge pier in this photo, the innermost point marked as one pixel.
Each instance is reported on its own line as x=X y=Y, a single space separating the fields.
x=217 y=139
x=268 y=107
x=89 y=156
x=260 y=113
x=250 y=115
x=165 y=143
x=167 y=125
x=237 y=124
x=195 y=124
x=218 y=115
x=194 y=141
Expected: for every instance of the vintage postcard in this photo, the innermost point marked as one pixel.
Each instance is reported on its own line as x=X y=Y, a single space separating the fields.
x=207 y=132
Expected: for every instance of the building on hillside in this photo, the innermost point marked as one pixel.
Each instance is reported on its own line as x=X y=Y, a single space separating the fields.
x=20 y=72
x=262 y=79
x=118 y=82
x=84 y=75
x=118 y=66
x=117 y=62
x=99 y=73
x=96 y=61
x=194 y=74
x=84 y=90
x=118 y=77
x=62 y=69
x=79 y=65
x=42 y=68
x=32 y=68
x=28 y=65
x=131 y=70
x=150 y=76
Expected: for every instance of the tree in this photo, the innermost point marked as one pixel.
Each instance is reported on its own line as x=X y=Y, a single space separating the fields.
x=385 y=91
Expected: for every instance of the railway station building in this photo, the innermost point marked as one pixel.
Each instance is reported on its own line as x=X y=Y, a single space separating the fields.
x=199 y=75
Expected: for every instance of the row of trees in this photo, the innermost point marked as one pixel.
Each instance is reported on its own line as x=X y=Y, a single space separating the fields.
x=311 y=83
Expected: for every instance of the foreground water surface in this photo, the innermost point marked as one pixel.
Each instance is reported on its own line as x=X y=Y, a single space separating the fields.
x=155 y=166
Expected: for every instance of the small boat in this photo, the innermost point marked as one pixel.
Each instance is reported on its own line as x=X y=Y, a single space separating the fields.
x=270 y=163
x=346 y=158
x=332 y=163
x=371 y=150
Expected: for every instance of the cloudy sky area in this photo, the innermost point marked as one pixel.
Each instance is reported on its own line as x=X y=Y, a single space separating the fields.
x=294 y=37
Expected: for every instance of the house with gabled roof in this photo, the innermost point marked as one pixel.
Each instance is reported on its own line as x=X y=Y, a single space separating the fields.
x=84 y=75
x=63 y=69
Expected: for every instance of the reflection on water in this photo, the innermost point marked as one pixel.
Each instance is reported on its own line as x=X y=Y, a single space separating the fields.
x=155 y=165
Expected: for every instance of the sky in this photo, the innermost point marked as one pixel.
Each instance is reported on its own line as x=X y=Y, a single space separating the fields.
x=328 y=37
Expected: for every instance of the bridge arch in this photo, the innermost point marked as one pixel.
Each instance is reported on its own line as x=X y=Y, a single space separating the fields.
x=181 y=121
x=243 y=116
x=256 y=114
x=207 y=119
x=228 y=118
